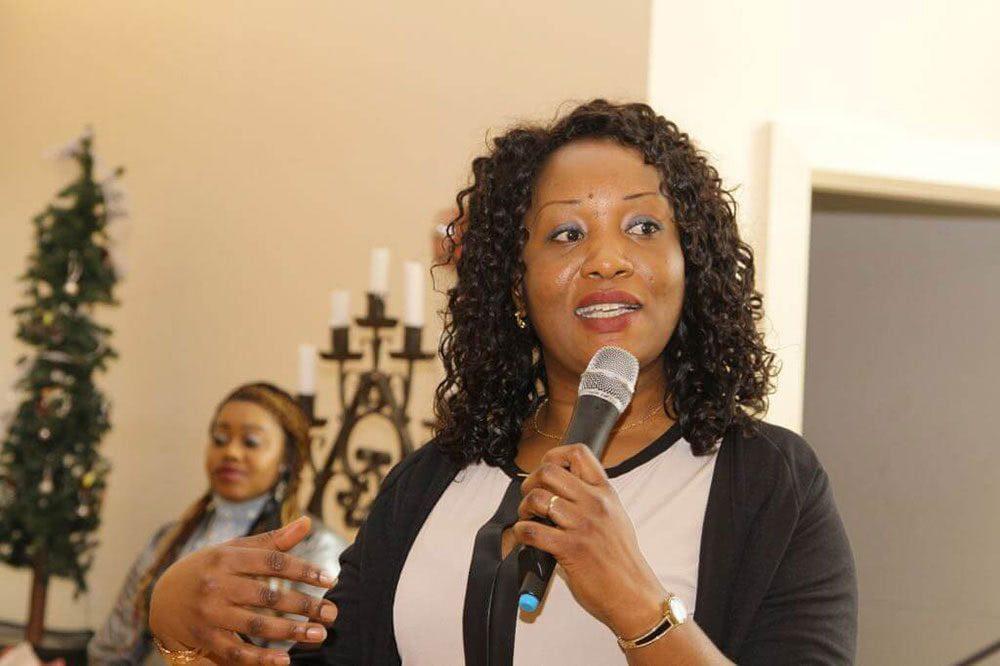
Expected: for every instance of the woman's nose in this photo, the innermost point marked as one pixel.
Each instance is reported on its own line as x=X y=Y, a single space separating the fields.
x=232 y=450
x=606 y=259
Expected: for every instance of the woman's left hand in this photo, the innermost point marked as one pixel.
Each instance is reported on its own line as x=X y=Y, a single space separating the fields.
x=594 y=540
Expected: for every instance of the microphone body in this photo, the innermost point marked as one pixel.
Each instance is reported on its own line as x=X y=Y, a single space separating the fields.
x=591 y=424
x=605 y=391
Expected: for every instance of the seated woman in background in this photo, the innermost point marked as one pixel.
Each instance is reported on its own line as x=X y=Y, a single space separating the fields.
x=259 y=441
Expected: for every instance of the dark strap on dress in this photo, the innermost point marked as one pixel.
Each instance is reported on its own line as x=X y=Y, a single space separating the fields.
x=489 y=616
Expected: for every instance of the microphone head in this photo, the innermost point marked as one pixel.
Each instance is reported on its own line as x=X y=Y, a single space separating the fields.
x=611 y=376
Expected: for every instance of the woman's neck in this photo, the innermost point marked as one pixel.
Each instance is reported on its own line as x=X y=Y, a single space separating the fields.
x=643 y=421
x=247 y=507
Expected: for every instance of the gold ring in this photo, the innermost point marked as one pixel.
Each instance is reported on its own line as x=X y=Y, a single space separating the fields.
x=552 y=501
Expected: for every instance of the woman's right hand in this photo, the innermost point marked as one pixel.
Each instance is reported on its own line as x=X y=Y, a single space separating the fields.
x=203 y=600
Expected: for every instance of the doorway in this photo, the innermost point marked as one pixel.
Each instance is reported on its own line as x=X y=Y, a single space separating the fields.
x=901 y=399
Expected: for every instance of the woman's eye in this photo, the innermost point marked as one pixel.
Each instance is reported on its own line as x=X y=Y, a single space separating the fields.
x=566 y=235
x=645 y=226
x=219 y=440
x=252 y=442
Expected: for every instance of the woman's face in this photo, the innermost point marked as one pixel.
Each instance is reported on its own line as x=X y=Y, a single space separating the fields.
x=245 y=451
x=603 y=258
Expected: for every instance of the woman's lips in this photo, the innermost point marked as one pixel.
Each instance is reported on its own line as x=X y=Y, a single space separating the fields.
x=228 y=474
x=608 y=324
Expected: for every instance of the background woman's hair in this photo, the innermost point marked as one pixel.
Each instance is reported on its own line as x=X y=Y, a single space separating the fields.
x=719 y=371
x=283 y=507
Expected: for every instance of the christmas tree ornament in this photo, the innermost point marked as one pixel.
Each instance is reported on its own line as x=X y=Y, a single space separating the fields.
x=44 y=289
x=56 y=356
x=64 y=407
x=75 y=270
x=55 y=399
x=44 y=434
x=45 y=486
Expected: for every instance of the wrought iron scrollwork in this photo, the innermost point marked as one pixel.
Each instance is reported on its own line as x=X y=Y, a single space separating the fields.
x=373 y=396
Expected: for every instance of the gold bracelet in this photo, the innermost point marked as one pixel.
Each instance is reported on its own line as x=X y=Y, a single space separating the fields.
x=177 y=656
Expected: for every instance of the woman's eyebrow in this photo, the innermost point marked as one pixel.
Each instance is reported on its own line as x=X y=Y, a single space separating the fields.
x=559 y=201
x=640 y=194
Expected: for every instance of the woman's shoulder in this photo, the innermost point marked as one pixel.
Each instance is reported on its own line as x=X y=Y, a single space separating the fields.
x=321 y=547
x=767 y=450
x=150 y=548
x=411 y=489
x=161 y=532
x=420 y=466
x=322 y=537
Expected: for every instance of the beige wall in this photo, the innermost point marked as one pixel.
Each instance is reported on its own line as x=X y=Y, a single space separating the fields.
x=269 y=146
x=723 y=69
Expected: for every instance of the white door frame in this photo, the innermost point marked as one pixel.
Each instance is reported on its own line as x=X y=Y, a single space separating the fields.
x=881 y=162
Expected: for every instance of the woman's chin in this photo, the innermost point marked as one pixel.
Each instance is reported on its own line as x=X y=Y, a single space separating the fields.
x=230 y=492
x=626 y=338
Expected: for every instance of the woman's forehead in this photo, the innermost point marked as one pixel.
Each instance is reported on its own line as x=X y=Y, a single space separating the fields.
x=591 y=168
x=240 y=413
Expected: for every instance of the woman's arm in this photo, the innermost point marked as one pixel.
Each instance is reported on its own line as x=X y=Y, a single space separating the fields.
x=122 y=636
x=595 y=543
x=809 y=614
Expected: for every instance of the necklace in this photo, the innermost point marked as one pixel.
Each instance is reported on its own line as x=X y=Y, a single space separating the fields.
x=534 y=421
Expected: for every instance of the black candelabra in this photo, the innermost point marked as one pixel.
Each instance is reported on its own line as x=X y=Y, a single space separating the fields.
x=373 y=395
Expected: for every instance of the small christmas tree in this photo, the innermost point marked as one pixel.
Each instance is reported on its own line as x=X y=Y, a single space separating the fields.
x=52 y=476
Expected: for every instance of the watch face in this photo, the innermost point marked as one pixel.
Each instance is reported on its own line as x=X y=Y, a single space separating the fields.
x=677 y=609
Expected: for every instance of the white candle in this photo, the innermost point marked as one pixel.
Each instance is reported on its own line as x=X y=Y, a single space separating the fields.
x=379 y=282
x=413 y=310
x=340 y=306
x=307 y=370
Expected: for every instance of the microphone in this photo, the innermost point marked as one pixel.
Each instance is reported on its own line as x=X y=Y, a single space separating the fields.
x=606 y=388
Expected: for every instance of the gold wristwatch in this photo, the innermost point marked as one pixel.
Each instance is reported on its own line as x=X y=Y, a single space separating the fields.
x=674 y=613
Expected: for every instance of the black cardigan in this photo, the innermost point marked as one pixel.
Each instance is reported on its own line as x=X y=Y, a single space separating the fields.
x=776 y=579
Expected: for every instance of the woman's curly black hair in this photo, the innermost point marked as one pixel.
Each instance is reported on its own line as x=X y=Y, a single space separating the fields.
x=719 y=371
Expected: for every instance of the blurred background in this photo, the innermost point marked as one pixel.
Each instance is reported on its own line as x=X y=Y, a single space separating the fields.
x=270 y=146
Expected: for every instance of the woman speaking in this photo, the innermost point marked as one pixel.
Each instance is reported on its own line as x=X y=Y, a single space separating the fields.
x=703 y=535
